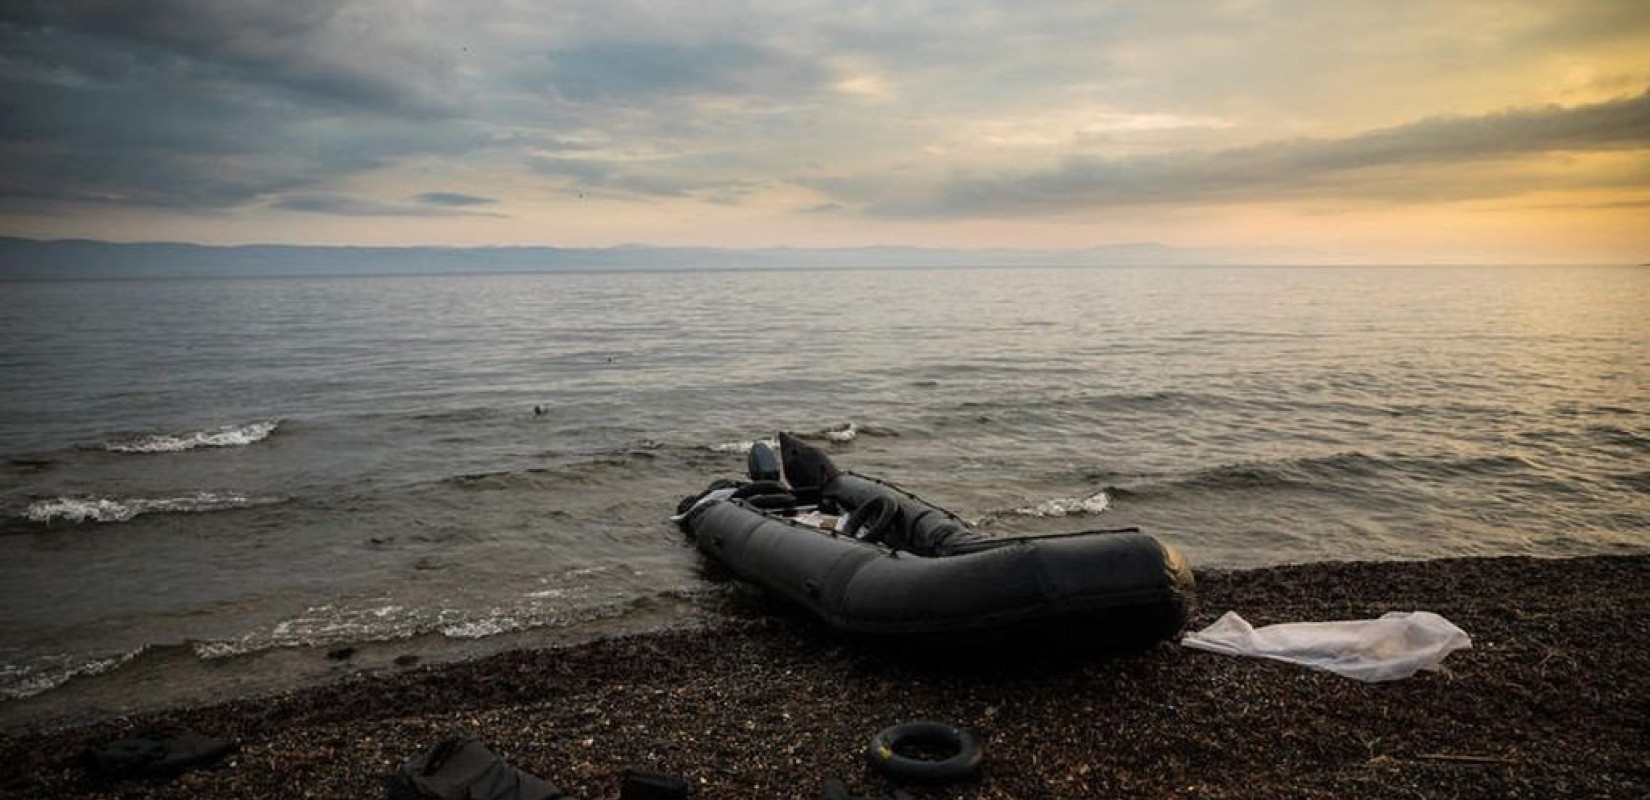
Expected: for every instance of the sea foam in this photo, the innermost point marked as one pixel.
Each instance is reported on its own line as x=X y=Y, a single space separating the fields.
x=121 y=509
x=226 y=436
x=18 y=682
x=1068 y=506
x=742 y=447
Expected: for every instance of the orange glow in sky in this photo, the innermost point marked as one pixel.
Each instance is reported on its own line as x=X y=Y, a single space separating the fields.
x=1363 y=131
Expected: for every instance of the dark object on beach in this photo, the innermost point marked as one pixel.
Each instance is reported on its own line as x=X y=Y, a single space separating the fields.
x=835 y=789
x=458 y=768
x=341 y=653
x=889 y=753
x=909 y=572
x=762 y=464
x=641 y=784
x=406 y=660
x=154 y=758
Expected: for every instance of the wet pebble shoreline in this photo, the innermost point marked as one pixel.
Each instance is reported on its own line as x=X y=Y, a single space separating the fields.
x=1550 y=702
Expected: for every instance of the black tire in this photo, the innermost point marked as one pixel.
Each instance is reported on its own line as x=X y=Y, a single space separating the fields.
x=770 y=502
x=884 y=757
x=873 y=521
x=759 y=487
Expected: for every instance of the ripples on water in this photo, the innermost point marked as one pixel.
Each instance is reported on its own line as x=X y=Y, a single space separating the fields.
x=229 y=466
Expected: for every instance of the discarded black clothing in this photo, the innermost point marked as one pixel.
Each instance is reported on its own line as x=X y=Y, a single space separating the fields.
x=153 y=757
x=464 y=769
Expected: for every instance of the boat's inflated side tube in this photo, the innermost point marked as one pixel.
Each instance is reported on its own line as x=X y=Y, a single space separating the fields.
x=1100 y=589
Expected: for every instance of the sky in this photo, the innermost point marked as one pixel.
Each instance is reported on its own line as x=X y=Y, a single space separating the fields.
x=1359 y=131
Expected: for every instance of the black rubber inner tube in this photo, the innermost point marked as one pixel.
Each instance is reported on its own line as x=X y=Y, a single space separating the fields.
x=884 y=752
x=873 y=521
x=771 y=501
x=759 y=487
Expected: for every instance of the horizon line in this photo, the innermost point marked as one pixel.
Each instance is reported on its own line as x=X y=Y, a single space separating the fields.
x=1235 y=257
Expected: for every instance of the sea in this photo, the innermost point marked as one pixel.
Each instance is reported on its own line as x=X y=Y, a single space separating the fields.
x=218 y=488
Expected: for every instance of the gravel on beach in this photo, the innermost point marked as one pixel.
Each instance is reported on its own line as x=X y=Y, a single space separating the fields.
x=1553 y=700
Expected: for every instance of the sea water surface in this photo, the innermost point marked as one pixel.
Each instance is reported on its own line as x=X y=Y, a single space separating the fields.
x=209 y=484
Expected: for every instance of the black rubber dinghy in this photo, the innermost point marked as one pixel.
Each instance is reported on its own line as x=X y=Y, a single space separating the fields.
x=872 y=560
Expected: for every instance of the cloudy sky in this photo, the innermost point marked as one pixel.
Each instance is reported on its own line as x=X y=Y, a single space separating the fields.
x=1357 y=130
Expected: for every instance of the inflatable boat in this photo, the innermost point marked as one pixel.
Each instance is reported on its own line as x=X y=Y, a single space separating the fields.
x=872 y=560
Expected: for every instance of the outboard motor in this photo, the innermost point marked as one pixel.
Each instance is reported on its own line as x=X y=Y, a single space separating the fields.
x=762 y=464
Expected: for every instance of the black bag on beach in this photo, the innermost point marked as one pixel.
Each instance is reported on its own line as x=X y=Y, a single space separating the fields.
x=464 y=769
x=154 y=757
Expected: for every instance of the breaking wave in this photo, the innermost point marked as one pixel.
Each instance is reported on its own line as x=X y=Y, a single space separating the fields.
x=328 y=625
x=742 y=447
x=77 y=510
x=226 y=436
x=1068 y=506
x=18 y=682
x=482 y=628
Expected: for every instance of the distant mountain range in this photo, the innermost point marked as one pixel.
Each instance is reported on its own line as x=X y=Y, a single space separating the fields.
x=35 y=259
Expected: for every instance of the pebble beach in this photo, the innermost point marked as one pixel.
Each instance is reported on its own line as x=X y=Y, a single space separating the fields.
x=756 y=702
x=357 y=358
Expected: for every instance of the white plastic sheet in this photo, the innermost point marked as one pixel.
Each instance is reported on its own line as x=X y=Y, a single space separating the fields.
x=1386 y=649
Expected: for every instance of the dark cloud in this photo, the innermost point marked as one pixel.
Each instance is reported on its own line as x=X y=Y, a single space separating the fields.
x=137 y=145
x=1350 y=167
x=211 y=105
x=619 y=71
x=454 y=199
x=196 y=104
x=1614 y=125
x=643 y=178
x=586 y=172
x=342 y=205
x=348 y=53
x=1589 y=23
